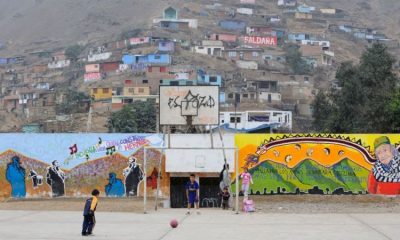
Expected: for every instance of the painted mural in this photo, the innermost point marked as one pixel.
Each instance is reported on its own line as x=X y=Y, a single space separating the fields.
x=71 y=165
x=321 y=164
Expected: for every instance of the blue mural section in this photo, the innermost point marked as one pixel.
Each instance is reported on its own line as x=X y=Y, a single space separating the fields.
x=58 y=165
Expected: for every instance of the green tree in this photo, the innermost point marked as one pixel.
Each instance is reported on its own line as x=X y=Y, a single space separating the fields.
x=138 y=117
x=73 y=52
x=366 y=100
x=72 y=102
x=295 y=61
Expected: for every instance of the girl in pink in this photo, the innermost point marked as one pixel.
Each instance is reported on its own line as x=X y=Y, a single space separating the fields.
x=246 y=180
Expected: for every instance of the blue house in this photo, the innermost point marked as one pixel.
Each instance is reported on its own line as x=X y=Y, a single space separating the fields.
x=232 y=25
x=150 y=59
x=305 y=9
x=166 y=46
x=298 y=37
x=210 y=79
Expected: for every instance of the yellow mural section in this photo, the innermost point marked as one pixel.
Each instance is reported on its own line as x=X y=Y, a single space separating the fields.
x=325 y=152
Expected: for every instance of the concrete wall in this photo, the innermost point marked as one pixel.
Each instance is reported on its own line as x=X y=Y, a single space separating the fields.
x=279 y=163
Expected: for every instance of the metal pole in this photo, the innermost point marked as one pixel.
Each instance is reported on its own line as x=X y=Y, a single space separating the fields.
x=237 y=179
x=145 y=182
x=235 y=117
x=159 y=171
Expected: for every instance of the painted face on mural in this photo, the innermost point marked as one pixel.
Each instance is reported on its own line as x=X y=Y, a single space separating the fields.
x=384 y=153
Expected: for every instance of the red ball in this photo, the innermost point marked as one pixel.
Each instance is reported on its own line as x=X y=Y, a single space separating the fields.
x=173 y=223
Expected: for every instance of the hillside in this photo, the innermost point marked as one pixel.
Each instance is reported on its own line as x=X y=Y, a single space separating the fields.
x=46 y=24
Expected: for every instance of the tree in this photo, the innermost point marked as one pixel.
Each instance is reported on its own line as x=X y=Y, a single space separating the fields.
x=367 y=100
x=295 y=60
x=73 y=52
x=139 y=117
x=72 y=102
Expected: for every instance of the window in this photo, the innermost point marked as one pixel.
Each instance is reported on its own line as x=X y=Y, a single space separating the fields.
x=141 y=90
x=232 y=120
x=161 y=81
x=106 y=90
x=189 y=83
x=255 y=54
x=145 y=81
x=292 y=78
x=213 y=79
x=157 y=57
x=232 y=54
x=95 y=90
x=131 y=90
x=174 y=83
x=252 y=96
x=245 y=95
x=230 y=95
x=163 y=44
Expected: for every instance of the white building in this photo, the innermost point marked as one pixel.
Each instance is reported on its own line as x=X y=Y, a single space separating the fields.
x=210 y=47
x=99 y=56
x=253 y=121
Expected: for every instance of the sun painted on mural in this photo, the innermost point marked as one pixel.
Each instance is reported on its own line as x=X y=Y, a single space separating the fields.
x=315 y=164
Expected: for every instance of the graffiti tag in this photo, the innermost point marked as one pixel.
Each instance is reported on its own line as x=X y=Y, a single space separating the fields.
x=191 y=101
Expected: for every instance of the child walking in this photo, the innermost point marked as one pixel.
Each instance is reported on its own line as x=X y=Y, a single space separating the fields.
x=192 y=193
x=89 y=219
x=225 y=198
x=246 y=180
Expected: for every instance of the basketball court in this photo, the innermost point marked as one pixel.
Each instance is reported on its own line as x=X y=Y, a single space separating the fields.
x=211 y=224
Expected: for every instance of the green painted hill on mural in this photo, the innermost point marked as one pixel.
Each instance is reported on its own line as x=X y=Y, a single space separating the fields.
x=274 y=178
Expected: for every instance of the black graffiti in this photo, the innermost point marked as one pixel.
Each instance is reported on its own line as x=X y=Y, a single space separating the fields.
x=191 y=101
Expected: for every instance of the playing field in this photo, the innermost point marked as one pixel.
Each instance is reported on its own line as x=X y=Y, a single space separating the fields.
x=211 y=224
x=277 y=217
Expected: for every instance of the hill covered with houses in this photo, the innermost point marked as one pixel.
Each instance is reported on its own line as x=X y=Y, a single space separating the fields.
x=64 y=63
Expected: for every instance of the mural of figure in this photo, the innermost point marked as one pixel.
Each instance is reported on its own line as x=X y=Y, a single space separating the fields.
x=115 y=187
x=15 y=175
x=133 y=176
x=152 y=179
x=37 y=180
x=385 y=175
x=55 y=179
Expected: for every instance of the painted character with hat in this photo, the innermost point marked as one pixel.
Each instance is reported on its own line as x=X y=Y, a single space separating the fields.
x=133 y=176
x=115 y=186
x=385 y=175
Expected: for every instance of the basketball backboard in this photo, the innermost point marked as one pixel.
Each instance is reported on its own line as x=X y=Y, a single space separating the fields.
x=200 y=104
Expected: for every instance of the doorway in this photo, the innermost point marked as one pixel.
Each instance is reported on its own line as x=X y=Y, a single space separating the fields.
x=209 y=190
x=178 y=192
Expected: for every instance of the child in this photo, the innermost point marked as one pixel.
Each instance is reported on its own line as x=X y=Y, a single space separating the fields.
x=192 y=193
x=88 y=214
x=225 y=198
x=246 y=180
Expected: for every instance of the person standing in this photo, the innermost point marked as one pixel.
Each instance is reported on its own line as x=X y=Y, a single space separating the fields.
x=192 y=193
x=89 y=220
x=225 y=198
x=246 y=180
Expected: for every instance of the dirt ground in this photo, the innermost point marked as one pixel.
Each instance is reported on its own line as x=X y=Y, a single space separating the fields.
x=265 y=204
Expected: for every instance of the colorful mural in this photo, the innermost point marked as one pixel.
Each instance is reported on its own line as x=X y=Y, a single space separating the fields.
x=71 y=165
x=321 y=164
